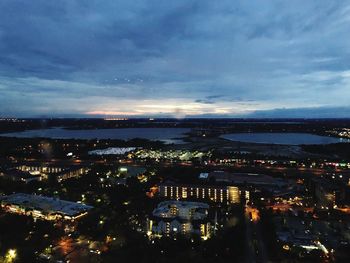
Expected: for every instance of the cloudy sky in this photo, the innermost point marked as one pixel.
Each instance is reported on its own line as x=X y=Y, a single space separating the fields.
x=175 y=58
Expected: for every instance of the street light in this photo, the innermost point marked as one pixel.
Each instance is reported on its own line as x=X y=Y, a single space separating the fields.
x=11 y=255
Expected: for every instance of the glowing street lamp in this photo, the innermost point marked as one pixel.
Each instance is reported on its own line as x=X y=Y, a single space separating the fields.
x=11 y=255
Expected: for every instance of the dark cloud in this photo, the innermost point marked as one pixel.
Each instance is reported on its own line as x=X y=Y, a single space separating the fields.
x=315 y=112
x=204 y=101
x=207 y=57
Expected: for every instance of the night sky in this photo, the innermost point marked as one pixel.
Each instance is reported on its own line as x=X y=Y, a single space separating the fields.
x=174 y=58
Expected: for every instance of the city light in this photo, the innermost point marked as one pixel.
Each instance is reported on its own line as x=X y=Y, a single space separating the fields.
x=11 y=255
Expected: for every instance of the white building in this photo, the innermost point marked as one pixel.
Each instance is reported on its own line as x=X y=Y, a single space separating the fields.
x=43 y=207
x=180 y=217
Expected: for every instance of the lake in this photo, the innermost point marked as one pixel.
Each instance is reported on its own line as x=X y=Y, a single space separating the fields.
x=167 y=135
x=282 y=138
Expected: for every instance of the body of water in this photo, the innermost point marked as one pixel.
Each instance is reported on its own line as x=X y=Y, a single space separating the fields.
x=167 y=135
x=282 y=138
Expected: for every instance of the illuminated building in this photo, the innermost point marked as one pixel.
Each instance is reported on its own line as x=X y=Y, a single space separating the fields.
x=59 y=172
x=217 y=194
x=20 y=176
x=43 y=207
x=327 y=193
x=70 y=173
x=113 y=151
x=180 y=217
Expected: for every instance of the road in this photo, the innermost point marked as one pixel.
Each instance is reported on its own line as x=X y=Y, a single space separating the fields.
x=255 y=247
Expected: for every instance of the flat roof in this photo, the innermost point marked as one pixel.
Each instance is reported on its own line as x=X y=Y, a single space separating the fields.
x=203 y=175
x=183 y=204
x=48 y=205
x=241 y=178
x=197 y=185
x=58 y=164
x=19 y=174
x=163 y=210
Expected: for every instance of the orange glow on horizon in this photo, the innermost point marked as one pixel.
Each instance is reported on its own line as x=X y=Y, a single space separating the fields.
x=112 y=113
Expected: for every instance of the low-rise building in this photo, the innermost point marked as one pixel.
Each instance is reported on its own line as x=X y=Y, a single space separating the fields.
x=72 y=172
x=59 y=172
x=328 y=193
x=47 y=208
x=20 y=176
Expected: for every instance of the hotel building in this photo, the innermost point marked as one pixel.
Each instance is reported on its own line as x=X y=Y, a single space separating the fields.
x=42 y=207
x=179 y=217
x=61 y=173
x=217 y=194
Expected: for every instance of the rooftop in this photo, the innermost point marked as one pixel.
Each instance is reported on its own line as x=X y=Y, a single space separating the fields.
x=245 y=178
x=19 y=174
x=47 y=205
x=182 y=210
